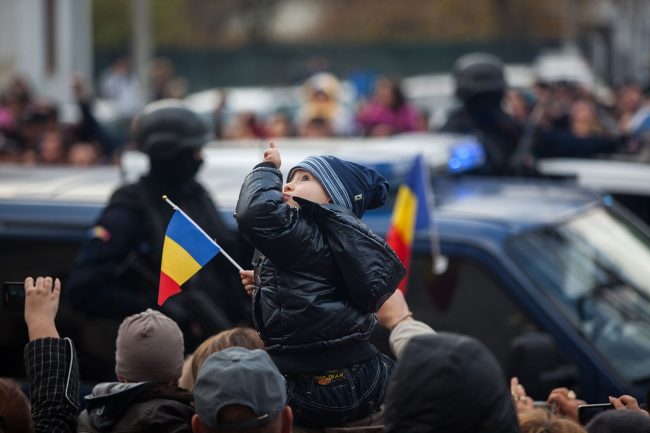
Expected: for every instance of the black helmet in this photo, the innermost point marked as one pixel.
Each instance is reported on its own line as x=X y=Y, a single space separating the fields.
x=478 y=73
x=166 y=127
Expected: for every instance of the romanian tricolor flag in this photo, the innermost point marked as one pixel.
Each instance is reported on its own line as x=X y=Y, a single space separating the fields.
x=412 y=212
x=186 y=249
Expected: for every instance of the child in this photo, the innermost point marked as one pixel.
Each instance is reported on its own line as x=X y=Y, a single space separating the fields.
x=320 y=275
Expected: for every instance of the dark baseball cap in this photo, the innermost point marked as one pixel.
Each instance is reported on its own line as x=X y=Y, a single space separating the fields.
x=239 y=376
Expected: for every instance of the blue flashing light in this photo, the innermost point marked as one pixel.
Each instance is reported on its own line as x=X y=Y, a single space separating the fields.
x=608 y=200
x=466 y=154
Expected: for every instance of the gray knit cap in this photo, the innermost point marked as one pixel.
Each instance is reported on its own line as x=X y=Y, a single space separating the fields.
x=149 y=348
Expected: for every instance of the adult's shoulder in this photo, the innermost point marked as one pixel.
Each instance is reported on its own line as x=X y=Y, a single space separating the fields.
x=129 y=195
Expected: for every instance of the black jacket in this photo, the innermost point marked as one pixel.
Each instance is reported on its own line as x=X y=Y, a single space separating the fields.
x=448 y=384
x=137 y=407
x=53 y=372
x=320 y=275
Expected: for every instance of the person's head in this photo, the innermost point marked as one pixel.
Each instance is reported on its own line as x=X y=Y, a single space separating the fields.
x=583 y=119
x=149 y=348
x=325 y=179
x=316 y=127
x=322 y=87
x=321 y=107
x=14 y=409
x=448 y=383
x=279 y=125
x=629 y=98
x=389 y=93
x=543 y=421
x=236 y=337
x=620 y=421
x=52 y=148
x=83 y=154
x=240 y=390
x=172 y=136
x=478 y=74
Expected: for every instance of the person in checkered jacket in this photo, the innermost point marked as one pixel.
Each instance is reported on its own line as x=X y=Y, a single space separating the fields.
x=51 y=365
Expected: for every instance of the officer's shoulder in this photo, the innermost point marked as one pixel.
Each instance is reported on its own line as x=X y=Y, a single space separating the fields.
x=129 y=195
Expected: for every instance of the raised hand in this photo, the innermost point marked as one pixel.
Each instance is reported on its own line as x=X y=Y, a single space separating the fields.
x=272 y=154
x=41 y=306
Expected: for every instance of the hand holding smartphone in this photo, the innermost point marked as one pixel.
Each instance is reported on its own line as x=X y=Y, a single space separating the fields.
x=587 y=411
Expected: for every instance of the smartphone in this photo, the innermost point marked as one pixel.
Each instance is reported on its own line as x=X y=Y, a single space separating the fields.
x=541 y=405
x=13 y=297
x=587 y=411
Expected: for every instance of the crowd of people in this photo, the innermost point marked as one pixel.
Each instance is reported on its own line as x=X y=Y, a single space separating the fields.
x=32 y=131
x=441 y=383
x=561 y=117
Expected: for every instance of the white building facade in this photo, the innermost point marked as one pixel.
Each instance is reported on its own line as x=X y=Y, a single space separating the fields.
x=46 y=41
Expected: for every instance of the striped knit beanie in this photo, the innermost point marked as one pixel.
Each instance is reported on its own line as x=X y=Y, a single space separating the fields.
x=348 y=184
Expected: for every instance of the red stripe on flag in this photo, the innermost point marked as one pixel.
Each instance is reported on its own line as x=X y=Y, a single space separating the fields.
x=403 y=251
x=167 y=288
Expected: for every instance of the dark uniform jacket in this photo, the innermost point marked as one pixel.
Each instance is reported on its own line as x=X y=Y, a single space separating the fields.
x=320 y=275
x=137 y=407
x=506 y=140
x=118 y=270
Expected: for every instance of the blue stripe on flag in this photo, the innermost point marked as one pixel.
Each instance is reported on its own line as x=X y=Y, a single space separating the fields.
x=192 y=239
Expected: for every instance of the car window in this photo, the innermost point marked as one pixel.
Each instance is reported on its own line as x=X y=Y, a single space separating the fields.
x=466 y=299
x=595 y=267
x=20 y=258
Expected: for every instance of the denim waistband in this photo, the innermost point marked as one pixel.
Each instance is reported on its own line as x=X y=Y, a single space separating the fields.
x=327 y=358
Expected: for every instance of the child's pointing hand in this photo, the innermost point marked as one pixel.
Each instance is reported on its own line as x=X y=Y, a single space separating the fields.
x=272 y=154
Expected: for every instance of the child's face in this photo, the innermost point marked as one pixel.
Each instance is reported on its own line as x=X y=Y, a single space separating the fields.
x=304 y=185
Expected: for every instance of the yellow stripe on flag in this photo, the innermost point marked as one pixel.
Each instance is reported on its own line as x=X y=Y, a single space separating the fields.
x=403 y=219
x=177 y=263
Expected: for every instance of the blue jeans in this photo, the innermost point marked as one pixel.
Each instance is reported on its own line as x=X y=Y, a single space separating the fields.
x=334 y=397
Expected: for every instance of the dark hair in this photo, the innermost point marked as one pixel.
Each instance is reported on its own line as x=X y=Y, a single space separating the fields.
x=629 y=421
x=14 y=409
x=236 y=413
x=398 y=95
x=398 y=98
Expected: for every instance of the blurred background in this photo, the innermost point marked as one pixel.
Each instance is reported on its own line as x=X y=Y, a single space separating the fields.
x=246 y=64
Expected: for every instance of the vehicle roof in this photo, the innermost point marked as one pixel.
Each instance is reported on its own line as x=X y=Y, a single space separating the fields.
x=506 y=205
x=226 y=165
x=612 y=176
x=464 y=205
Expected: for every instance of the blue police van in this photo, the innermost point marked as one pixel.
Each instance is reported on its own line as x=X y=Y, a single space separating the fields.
x=553 y=278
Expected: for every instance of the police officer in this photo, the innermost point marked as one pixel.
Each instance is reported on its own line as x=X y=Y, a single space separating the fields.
x=118 y=270
x=510 y=146
x=480 y=86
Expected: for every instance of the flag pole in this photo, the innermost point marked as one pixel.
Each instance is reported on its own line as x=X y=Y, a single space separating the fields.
x=173 y=205
x=440 y=262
